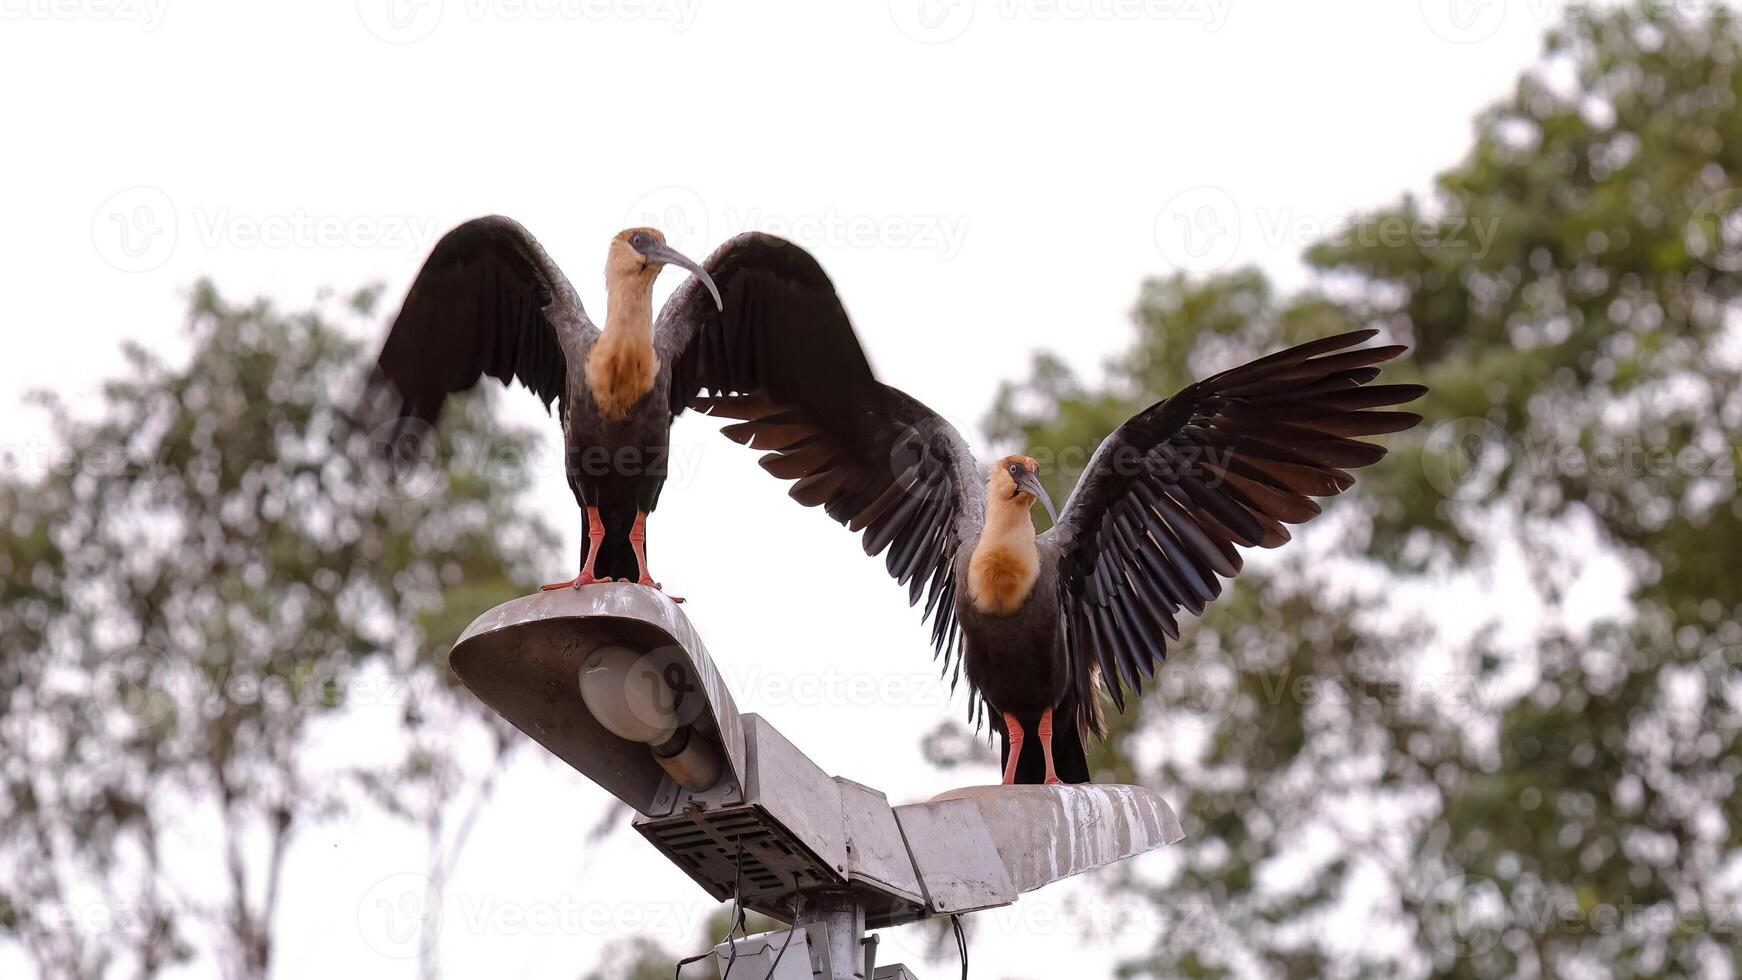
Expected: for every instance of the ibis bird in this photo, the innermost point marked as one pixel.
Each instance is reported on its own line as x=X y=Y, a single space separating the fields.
x=1040 y=623
x=489 y=301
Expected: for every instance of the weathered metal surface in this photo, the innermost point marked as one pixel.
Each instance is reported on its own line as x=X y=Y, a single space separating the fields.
x=1045 y=833
x=959 y=867
x=757 y=956
x=876 y=854
x=836 y=923
x=523 y=659
x=741 y=848
x=795 y=790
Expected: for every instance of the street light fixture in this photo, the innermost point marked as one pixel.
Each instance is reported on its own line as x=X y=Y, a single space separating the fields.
x=613 y=680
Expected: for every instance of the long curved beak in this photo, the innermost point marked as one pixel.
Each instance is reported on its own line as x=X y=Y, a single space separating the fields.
x=660 y=252
x=1030 y=484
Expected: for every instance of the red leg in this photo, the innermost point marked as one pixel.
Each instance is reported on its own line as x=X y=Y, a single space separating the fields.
x=1013 y=734
x=638 y=541
x=1044 y=730
x=595 y=535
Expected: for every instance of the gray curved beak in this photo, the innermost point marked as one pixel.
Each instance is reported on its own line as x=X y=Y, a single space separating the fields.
x=661 y=252
x=1030 y=484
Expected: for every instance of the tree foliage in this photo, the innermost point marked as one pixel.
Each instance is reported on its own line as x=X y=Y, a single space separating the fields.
x=1386 y=766
x=223 y=622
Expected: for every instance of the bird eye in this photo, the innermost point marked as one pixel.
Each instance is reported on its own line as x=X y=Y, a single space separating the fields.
x=1015 y=470
x=640 y=239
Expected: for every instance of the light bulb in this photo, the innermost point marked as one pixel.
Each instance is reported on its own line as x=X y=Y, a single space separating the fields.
x=627 y=695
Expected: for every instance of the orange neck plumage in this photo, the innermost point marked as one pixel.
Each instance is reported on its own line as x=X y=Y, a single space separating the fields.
x=1005 y=562
x=622 y=366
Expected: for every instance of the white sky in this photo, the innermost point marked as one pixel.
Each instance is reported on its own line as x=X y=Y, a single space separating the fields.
x=981 y=178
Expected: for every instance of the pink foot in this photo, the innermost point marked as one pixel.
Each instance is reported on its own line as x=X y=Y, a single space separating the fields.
x=585 y=578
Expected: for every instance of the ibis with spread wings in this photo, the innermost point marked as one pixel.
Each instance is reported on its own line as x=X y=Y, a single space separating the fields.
x=1041 y=622
x=489 y=301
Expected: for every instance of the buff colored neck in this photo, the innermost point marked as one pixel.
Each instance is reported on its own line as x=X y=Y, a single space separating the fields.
x=622 y=367
x=1006 y=561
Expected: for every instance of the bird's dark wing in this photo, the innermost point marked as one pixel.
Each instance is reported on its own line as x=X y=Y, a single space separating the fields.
x=907 y=481
x=489 y=301
x=1230 y=460
x=780 y=331
x=782 y=358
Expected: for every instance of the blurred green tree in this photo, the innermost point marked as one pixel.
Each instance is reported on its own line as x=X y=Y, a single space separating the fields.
x=1386 y=766
x=223 y=621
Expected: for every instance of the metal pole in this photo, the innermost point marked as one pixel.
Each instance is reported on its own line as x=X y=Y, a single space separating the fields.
x=841 y=916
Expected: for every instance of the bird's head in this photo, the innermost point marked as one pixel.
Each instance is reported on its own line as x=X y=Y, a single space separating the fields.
x=1017 y=478
x=637 y=255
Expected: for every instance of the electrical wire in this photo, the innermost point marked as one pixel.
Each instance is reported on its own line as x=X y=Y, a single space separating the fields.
x=961 y=943
x=737 y=918
x=734 y=924
x=678 y=973
x=797 y=913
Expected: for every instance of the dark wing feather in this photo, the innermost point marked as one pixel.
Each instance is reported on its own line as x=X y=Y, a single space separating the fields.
x=1152 y=526
x=782 y=359
x=902 y=476
x=488 y=301
x=782 y=332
